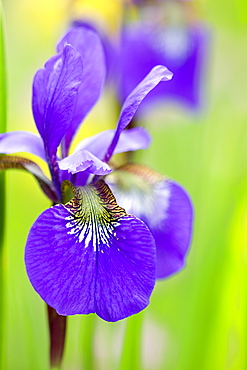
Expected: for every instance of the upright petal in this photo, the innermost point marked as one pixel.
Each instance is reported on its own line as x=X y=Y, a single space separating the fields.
x=88 y=44
x=157 y=74
x=165 y=208
x=108 y=46
x=22 y=141
x=55 y=90
x=90 y=256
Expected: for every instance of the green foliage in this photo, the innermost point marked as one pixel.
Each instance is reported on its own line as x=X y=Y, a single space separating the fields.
x=197 y=318
x=2 y=179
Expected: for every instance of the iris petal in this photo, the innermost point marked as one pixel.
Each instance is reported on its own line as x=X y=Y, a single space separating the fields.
x=90 y=256
x=174 y=231
x=55 y=90
x=88 y=44
x=83 y=160
x=130 y=140
x=165 y=208
x=132 y=102
x=22 y=141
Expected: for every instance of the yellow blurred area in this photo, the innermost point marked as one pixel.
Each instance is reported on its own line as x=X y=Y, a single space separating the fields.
x=45 y=14
x=105 y=12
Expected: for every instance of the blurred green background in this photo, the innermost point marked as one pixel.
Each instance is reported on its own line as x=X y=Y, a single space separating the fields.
x=197 y=318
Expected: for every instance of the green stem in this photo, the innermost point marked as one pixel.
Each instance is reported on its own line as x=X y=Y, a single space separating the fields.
x=2 y=184
x=131 y=354
x=57 y=330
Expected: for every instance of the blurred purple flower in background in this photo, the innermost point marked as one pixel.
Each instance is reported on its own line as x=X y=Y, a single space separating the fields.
x=160 y=33
x=88 y=255
x=181 y=48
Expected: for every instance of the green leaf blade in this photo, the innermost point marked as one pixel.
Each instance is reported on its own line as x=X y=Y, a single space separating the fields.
x=3 y=118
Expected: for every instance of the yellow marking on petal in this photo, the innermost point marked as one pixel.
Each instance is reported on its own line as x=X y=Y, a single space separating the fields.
x=94 y=214
x=68 y=191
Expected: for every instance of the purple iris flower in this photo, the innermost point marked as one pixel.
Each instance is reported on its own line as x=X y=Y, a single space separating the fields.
x=180 y=47
x=86 y=254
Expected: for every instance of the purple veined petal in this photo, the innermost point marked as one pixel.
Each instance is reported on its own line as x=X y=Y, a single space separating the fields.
x=90 y=256
x=165 y=208
x=133 y=139
x=66 y=175
x=83 y=160
x=132 y=102
x=109 y=48
x=130 y=140
x=126 y=273
x=55 y=90
x=177 y=232
x=22 y=141
x=88 y=44
x=81 y=178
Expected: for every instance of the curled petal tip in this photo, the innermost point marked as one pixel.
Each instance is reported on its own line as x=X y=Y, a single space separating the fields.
x=167 y=75
x=83 y=160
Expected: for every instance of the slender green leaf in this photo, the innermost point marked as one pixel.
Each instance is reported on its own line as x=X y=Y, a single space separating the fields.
x=2 y=178
x=131 y=354
x=2 y=77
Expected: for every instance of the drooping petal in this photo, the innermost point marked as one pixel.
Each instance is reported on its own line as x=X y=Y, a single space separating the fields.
x=132 y=102
x=55 y=89
x=83 y=160
x=177 y=230
x=183 y=49
x=14 y=162
x=165 y=208
x=130 y=140
x=90 y=256
x=22 y=141
x=88 y=44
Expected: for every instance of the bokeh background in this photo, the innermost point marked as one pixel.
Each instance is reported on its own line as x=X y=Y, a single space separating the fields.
x=197 y=318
